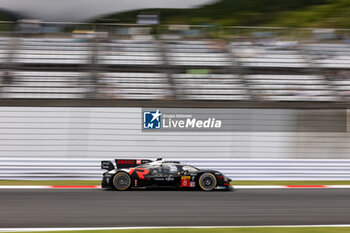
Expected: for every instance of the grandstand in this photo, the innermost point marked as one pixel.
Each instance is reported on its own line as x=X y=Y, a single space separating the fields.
x=188 y=69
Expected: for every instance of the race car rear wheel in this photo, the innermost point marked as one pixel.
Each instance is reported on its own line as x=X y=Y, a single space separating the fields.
x=207 y=181
x=122 y=181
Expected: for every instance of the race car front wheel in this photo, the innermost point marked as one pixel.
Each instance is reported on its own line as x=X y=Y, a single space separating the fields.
x=207 y=181
x=122 y=181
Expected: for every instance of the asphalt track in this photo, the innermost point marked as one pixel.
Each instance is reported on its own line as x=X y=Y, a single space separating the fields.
x=99 y=208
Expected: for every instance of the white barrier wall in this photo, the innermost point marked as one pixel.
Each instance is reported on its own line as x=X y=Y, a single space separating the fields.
x=236 y=169
x=67 y=132
x=68 y=143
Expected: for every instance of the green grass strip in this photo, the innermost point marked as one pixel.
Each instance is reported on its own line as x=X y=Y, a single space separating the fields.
x=225 y=230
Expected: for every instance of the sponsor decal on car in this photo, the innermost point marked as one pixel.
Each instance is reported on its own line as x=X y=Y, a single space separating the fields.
x=170 y=179
x=185 y=181
x=159 y=178
x=141 y=172
x=125 y=161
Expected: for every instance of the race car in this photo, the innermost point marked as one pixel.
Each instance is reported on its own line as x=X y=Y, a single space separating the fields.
x=143 y=173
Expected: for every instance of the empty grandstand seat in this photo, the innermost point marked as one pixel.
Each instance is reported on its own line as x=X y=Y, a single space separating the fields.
x=253 y=56
x=5 y=49
x=134 y=86
x=52 y=51
x=330 y=56
x=197 y=53
x=209 y=87
x=41 y=84
x=129 y=52
x=274 y=87
x=340 y=80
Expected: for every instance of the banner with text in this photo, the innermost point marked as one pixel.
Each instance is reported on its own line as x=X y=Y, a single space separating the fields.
x=243 y=120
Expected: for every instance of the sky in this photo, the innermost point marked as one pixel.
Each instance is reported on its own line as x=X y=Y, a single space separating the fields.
x=78 y=10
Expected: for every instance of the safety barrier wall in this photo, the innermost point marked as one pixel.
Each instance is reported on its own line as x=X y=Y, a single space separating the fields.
x=74 y=132
x=69 y=142
x=236 y=169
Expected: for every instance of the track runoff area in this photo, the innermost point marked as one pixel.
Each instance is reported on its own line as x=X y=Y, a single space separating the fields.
x=280 y=208
x=235 y=186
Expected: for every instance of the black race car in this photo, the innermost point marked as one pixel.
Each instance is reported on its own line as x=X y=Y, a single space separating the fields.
x=141 y=173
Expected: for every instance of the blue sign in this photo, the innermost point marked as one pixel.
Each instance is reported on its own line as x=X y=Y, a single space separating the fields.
x=152 y=120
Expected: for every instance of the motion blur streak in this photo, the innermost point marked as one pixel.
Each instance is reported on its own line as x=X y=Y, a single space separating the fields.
x=165 y=227
x=97 y=208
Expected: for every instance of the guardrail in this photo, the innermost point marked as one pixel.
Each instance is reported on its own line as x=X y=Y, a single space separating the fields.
x=236 y=169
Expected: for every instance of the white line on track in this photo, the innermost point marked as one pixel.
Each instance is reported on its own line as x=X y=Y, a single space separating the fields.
x=260 y=186
x=24 y=187
x=163 y=227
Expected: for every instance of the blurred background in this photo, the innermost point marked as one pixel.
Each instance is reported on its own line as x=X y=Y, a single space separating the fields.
x=75 y=76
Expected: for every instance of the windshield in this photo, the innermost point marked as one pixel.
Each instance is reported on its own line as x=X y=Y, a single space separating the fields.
x=147 y=166
x=189 y=168
x=169 y=168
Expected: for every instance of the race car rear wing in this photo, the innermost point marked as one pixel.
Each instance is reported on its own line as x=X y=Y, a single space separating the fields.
x=108 y=165
x=127 y=163
x=123 y=163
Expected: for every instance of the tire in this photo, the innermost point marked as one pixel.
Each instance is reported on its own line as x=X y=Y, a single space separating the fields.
x=207 y=182
x=122 y=181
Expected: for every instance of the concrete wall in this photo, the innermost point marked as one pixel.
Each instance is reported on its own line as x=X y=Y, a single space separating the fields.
x=68 y=132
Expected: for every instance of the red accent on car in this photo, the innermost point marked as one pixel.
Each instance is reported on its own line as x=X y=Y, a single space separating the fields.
x=73 y=186
x=141 y=172
x=185 y=183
